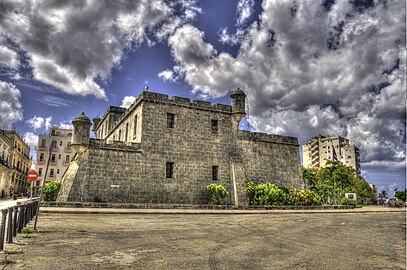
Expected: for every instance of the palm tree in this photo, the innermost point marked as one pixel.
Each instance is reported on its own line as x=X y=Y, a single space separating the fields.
x=383 y=194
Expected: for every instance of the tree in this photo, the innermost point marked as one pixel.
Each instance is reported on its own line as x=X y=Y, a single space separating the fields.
x=309 y=176
x=401 y=195
x=332 y=182
x=383 y=195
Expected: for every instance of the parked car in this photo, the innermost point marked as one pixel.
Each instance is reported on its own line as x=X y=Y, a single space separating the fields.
x=394 y=202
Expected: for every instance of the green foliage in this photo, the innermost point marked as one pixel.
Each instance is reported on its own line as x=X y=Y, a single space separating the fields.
x=295 y=196
x=309 y=176
x=401 y=195
x=51 y=190
x=27 y=230
x=250 y=192
x=217 y=192
x=347 y=201
x=269 y=194
x=332 y=182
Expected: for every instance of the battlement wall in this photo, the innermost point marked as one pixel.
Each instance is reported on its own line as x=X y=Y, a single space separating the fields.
x=183 y=102
x=264 y=137
x=114 y=145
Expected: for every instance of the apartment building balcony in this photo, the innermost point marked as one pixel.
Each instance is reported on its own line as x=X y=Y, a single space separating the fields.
x=41 y=162
x=41 y=148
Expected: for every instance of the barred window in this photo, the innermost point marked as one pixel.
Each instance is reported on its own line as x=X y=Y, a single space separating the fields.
x=215 y=173
x=169 y=169
x=170 y=120
x=214 y=126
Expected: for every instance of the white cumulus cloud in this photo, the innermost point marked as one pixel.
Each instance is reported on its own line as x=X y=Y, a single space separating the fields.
x=10 y=106
x=70 y=44
x=127 y=101
x=31 y=139
x=309 y=68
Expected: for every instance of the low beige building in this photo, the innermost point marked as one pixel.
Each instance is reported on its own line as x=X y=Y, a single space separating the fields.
x=21 y=163
x=6 y=149
x=319 y=150
x=60 y=156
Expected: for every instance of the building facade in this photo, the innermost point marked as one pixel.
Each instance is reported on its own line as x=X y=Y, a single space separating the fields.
x=60 y=157
x=319 y=150
x=20 y=163
x=163 y=150
x=6 y=150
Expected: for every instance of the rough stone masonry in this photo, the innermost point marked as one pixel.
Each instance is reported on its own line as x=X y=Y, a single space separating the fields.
x=163 y=150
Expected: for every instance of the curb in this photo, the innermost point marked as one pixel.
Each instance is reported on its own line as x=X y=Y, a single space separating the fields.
x=93 y=211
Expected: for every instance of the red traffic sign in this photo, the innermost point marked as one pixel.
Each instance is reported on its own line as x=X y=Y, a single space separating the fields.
x=32 y=175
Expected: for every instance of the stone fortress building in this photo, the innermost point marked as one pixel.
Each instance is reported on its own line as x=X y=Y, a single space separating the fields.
x=163 y=150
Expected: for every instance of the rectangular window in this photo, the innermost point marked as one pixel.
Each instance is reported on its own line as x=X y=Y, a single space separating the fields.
x=135 y=127
x=170 y=120
x=120 y=134
x=59 y=156
x=57 y=171
x=67 y=158
x=68 y=144
x=127 y=131
x=60 y=143
x=41 y=156
x=169 y=169
x=215 y=173
x=214 y=126
x=53 y=157
x=51 y=173
x=39 y=171
x=42 y=142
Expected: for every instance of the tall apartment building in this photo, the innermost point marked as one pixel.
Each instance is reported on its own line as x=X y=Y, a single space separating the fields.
x=20 y=163
x=320 y=149
x=60 y=156
x=6 y=149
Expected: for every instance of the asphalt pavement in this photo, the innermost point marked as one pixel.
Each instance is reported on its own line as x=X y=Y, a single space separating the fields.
x=337 y=240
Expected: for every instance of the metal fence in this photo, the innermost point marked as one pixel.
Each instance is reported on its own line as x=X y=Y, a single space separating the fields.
x=14 y=219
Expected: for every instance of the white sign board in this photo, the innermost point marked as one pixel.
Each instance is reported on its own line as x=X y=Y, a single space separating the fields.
x=351 y=196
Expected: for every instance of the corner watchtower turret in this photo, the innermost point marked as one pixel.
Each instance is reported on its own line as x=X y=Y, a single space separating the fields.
x=238 y=106
x=96 y=122
x=81 y=131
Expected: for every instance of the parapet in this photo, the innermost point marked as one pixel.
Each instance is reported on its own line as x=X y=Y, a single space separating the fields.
x=183 y=102
x=115 y=145
x=264 y=137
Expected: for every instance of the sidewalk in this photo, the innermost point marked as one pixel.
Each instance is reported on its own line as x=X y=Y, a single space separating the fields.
x=66 y=210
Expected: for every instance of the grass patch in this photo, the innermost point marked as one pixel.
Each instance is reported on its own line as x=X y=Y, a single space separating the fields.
x=13 y=251
x=358 y=206
x=27 y=230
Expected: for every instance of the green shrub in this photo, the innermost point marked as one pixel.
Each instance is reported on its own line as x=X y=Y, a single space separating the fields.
x=250 y=192
x=269 y=194
x=295 y=196
x=347 y=201
x=217 y=192
x=51 y=190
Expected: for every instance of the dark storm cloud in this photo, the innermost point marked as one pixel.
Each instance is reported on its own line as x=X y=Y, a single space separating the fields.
x=317 y=75
x=70 y=43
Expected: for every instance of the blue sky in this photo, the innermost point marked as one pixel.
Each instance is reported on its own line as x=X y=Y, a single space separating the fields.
x=308 y=67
